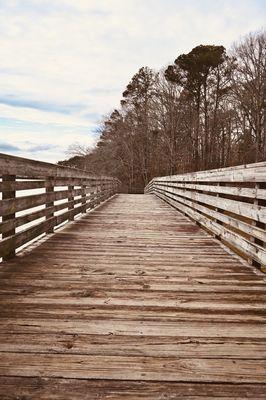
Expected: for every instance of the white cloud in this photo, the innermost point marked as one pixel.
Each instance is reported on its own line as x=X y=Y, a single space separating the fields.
x=72 y=59
x=42 y=117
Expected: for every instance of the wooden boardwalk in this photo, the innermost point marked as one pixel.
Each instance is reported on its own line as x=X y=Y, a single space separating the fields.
x=133 y=301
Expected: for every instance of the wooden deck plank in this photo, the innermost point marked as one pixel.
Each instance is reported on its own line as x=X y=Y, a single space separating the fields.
x=139 y=313
x=131 y=301
x=133 y=368
x=112 y=345
x=69 y=389
x=133 y=327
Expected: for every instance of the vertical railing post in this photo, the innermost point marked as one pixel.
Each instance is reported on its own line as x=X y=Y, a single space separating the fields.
x=262 y=202
x=114 y=187
x=259 y=225
x=102 y=191
x=70 y=200
x=197 y=191
x=219 y=210
x=97 y=193
x=107 y=190
x=92 y=194
x=49 y=188
x=11 y=194
x=83 y=196
x=91 y=191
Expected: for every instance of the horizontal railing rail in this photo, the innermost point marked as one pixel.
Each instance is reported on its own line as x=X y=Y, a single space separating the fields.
x=229 y=202
x=37 y=197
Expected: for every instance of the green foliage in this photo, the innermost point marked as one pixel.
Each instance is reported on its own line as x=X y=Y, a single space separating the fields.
x=192 y=70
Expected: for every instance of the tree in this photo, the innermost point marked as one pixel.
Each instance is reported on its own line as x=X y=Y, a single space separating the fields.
x=249 y=90
x=137 y=102
x=204 y=111
x=195 y=71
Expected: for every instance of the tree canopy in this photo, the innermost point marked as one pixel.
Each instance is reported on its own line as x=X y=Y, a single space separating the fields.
x=206 y=110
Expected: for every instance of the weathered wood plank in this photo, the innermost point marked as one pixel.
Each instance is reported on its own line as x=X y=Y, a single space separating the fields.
x=111 y=345
x=29 y=282
x=26 y=235
x=251 y=211
x=40 y=184
x=133 y=368
x=46 y=176
x=72 y=389
x=253 y=193
x=76 y=311
x=21 y=185
x=253 y=250
x=131 y=327
x=217 y=200
x=227 y=219
x=32 y=216
x=131 y=301
x=26 y=168
x=145 y=297
x=8 y=196
x=25 y=202
x=240 y=173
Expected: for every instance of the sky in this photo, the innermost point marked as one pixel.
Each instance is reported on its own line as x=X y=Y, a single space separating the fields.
x=65 y=63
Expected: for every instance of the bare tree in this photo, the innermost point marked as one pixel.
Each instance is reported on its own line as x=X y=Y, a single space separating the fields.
x=249 y=90
x=204 y=111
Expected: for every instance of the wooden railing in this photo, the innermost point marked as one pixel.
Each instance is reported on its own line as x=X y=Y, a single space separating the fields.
x=62 y=194
x=228 y=202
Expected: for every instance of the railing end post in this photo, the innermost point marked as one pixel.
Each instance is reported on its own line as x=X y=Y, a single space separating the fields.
x=7 y=195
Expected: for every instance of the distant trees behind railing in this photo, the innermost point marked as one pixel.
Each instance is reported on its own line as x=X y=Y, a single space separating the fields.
x=206 y=110
x=229 y=202
x=62 y=194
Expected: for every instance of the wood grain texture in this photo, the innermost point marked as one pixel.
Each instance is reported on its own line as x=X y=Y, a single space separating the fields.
x=131 y=301
x=54 y=184
x=27 y=168
x=248 y=247
x=254 y=172
x=69 y=389
x=229 y=202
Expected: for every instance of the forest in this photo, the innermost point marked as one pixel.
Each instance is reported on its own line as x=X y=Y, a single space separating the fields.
x=204 y=111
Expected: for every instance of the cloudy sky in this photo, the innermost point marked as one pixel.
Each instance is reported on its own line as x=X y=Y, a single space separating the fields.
x=65 y=63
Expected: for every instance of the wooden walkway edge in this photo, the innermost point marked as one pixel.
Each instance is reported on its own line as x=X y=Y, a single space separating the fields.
x=132 y=301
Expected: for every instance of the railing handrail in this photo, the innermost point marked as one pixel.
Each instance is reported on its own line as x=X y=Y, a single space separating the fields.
x=229 y=202
x=84 y=191
x=238 y=173
x=28 y=168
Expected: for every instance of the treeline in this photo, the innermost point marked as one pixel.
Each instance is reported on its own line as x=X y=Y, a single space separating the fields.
x=206 y=110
